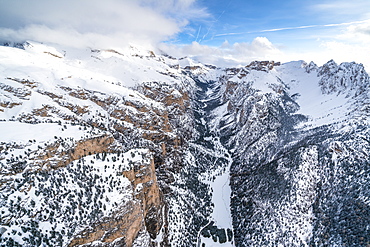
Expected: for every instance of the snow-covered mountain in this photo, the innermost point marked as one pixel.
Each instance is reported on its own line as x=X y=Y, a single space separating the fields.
x=133 y=148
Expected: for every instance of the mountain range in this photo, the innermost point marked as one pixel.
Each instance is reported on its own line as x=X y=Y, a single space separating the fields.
x=139 y=148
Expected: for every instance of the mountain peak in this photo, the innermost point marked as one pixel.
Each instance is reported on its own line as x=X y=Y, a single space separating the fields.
x=311 y=67
x=346 y=78
x=263 y=65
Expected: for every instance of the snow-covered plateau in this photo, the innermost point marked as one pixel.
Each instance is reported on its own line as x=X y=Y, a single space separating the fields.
x=133 y=148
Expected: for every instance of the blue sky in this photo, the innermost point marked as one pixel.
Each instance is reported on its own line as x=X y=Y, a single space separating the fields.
x=237 y=20
x=241 y=21
x=308 y=30
x=228 y=32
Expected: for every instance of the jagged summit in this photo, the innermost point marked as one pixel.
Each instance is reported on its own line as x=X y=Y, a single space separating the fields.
x=128 y=147
x=311 y=67
x=344 y=78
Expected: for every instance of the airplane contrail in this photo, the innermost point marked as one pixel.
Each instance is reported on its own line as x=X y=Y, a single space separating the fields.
x=200 y=27
x=293 y=28
x=218 y=18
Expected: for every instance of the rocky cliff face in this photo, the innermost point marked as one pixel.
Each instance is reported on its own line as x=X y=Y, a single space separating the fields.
x=108 y=148
x=144 y=212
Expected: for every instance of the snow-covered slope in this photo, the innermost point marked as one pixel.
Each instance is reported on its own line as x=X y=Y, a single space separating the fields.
x=132 y=148
x=61 y=107
x=299 y=153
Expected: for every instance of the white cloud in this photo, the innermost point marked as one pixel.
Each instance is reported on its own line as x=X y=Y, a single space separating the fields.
x=347 y=52
x=226 y=54
x=338 y=9
x=94 y=22
x=261 y=48
x=352 y=44
x=179 y=9
x=357 y=33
